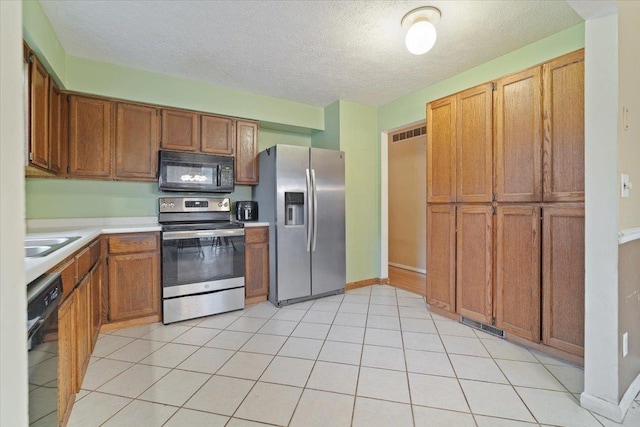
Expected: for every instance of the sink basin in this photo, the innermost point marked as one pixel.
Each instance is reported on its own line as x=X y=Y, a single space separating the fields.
x=39 y=247
x=33 y=251
x=45 y=241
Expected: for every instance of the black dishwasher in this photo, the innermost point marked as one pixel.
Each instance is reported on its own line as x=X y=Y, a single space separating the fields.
x=43 y=296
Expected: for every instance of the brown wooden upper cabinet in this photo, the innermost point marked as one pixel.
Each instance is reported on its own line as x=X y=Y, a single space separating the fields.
x=518 y=270
x=441 y=256
x=201 y=133
x=90 y=136
x=563 y=278
x=180 y=130
x=474 y=142
x=247 y=153
x=459 y=147
x=38 y=113
x=137 y=141
x=563 y=168
x=518 y=117
x=441 y=150
x=474 y=252
x=216 y=135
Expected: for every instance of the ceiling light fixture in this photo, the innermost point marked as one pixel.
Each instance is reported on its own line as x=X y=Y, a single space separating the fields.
x=421 y=30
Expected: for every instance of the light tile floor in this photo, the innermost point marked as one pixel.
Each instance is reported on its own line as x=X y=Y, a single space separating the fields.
x=372 y=357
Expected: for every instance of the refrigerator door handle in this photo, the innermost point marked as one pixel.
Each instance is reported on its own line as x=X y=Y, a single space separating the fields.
x=309 y=229
x=315 y=209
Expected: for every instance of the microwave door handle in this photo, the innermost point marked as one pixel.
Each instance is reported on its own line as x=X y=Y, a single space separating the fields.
x=218 y=172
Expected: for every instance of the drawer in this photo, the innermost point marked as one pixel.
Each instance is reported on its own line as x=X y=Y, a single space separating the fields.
x=83 y=262
x=132 y=243
x=68 y=273
x=95 y=250
x=254 y=235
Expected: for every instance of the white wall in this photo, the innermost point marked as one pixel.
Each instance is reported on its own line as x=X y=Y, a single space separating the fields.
x=13 y=316
x=601 y=222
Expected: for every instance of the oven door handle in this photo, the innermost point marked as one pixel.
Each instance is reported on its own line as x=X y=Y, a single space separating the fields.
x=197 y=234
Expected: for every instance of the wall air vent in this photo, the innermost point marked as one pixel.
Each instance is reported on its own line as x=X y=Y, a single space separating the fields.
x=410 y=133
x=483 y=327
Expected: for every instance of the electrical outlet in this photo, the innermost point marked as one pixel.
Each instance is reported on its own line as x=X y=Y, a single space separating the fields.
x=625 y=344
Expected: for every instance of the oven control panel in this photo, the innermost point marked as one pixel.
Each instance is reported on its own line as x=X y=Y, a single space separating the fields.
x=193 y=204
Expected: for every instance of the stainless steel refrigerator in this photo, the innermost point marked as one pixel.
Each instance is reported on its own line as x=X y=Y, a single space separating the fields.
x=301 y=195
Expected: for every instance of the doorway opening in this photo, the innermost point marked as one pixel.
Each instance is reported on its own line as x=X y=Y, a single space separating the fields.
x=407 y=248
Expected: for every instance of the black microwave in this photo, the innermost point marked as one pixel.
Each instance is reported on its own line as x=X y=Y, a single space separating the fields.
x=192 y=172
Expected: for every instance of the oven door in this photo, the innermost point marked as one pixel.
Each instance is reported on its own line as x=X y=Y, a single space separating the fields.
x=199 y=261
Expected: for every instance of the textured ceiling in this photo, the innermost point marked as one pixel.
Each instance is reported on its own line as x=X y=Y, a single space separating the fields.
x=314 y=52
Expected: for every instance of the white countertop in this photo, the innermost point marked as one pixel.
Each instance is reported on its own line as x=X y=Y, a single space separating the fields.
x=88 y=229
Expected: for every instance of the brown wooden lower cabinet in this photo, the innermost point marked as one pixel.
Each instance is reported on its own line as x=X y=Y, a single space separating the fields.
x=78 y=326
x=518 y=271
x=256 y=262
x=563 y=278
x=441 y=255
x=474 y=254
x=134 y=276
x=66 y=360
x=82 y=303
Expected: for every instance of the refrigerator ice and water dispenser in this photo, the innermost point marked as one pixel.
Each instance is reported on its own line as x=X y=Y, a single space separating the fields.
x=293 y=208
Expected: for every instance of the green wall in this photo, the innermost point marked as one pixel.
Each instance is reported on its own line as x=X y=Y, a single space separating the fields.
x=359 y=140
x=330 y=137
x=101 y=78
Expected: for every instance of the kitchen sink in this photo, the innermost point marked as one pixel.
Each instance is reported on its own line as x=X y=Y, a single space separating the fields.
x=39 y=247
x=33 y=251
x=46 y=241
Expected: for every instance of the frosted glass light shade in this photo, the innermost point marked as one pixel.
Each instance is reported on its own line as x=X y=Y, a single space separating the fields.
x=421 y=37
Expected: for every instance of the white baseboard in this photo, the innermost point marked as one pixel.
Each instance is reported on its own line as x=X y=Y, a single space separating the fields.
x=406 y=267
x=610 y=410
x=628 y=235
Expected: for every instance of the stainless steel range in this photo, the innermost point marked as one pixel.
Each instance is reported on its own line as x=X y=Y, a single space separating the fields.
x=202 y=258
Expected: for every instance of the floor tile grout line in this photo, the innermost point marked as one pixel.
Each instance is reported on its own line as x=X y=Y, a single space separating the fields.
x=326 y=338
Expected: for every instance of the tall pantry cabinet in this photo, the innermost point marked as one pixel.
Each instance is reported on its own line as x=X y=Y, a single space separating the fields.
x=505 y=204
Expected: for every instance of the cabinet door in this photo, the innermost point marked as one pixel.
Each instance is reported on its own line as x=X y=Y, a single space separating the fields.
x=246 y=153
x=441 y=253
x=563 y=278
x=134 y=285
x=474 y=142
x=66 y=360
x=518 y=117
x=90 y=137
x=180 y=130
x=82 y=303
x=96 y=302
x=39 y=113
x=256 y=270
x=441 y=150
x=137 y=140
x=474 y=296
x=563 y=171
x=55 y=127
x=216 y=135
x=518 y=271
